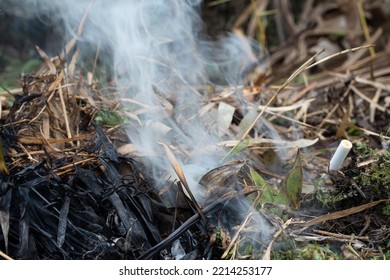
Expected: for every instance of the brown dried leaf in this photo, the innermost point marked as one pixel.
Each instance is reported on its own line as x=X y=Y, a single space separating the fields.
x=223 y=179
x=43 y=71
x=177 y=167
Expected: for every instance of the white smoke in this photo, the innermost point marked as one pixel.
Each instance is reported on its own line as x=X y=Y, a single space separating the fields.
x=158 y=50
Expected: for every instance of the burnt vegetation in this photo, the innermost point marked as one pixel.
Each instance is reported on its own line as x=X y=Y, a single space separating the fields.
x=74 y=186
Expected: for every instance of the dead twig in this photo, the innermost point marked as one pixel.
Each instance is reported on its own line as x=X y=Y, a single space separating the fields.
x=5 y=256
x=267 y=253
x=247 y=218
x=342 y=213
x=340 y=235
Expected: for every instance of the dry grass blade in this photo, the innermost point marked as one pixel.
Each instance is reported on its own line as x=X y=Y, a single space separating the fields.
x=66 y=118
x=247 y=218
x=296 y=73
x=300 y=104
x=338 y=54
x=374 y=104
x=243 y=17
x=64 y=169
x=54 y=86
x=356 y=58
x=5 y=256
x=48 y=62
x=38 y=141
x=176 y=166
x=300 y=143
x=343 y=213
x=302 y=93
x=80 y=30
x=179 y=171
x=372 y=83
x=363 y=21
x=73 y=61
x=236 y=235
x=301 y=123
x=267 y=253
x=340 y=236
x=333 y=110
x=364 y=97
x=257 y=23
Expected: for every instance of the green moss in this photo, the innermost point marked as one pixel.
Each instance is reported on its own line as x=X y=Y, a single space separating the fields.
x=386 y=209
x=376 y=174
x=308 y=252
x=109 y=118
x=369 y=172
x=327 y=198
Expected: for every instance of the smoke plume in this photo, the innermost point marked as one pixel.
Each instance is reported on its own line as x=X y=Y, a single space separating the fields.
x=160 y=57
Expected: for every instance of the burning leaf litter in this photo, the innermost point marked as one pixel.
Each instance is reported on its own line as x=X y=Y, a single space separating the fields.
x=142 y=169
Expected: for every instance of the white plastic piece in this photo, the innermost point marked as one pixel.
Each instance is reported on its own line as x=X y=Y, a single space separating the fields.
x=339 y=156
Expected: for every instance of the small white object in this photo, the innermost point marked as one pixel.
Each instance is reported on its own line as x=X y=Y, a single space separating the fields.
x=177 y=250
x=339 y=156
x=225 y=117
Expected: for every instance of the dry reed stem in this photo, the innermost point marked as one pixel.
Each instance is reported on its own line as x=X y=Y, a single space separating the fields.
x=364 y=97
x=374 y=104
x=66 y=168
x=179 y=171
x=340 y=235
x=342 y=213
x=363 y=21
x=65 y=112
x=38 y=140
x=5 y=256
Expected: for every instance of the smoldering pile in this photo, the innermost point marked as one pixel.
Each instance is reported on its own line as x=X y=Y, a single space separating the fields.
x=84 y=180
x=66 y=193
x=156 y=150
